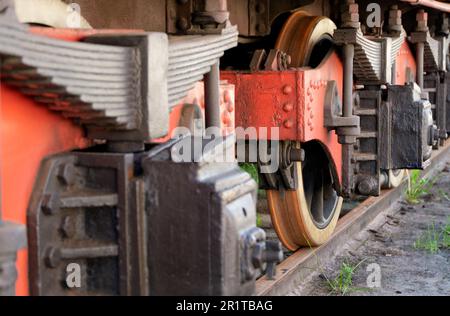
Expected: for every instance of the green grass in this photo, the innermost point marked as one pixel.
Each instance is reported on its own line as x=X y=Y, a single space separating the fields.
x=444 y=195
x=259 y=222
x=342 y=284
x=251 y=169
x=446 y=241
x=446 y=235
x=418 y=187
x=429 y=240
x=434 y=239
x=446 y=228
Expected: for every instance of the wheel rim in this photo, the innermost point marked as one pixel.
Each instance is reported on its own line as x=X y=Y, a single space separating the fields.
x=301 y=46
x=307 y=216
x=321 y=197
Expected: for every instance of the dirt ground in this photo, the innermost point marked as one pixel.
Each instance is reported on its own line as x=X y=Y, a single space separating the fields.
x=389 y=242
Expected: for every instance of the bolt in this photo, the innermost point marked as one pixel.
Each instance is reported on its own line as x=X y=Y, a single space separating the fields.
x=350 y=14
x=49 y=204
x=395 y=19
x=260 y=8
x=422 y=21
x=52 y=257
x=66 y=174
x=68 y=227
x=182 y=24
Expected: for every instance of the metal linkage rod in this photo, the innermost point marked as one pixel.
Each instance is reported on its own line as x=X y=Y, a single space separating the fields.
x=420 y=55
x=212 y=97
x=349 y=55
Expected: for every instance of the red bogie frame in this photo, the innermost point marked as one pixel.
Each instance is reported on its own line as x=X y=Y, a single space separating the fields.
x=292 y=101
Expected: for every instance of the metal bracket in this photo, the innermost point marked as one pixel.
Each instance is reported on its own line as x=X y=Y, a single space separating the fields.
x=344 y=126
x=178 y=16
x=259 y=23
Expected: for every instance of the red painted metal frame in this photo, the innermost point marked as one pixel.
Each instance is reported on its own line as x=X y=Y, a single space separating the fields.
x=28 y=133
x=292 y=101
x=196 y=97
x=406 y=65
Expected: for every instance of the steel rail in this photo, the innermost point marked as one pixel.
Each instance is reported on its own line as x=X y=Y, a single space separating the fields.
x=301 y=264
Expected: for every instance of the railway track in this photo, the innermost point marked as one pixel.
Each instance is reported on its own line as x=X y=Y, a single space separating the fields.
x=299 y=265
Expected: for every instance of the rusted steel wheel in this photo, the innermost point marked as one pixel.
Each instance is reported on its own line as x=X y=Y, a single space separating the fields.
x=306 y=38
x=307 y=216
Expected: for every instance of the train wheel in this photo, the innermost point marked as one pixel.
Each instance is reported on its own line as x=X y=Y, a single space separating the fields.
x=308 y=215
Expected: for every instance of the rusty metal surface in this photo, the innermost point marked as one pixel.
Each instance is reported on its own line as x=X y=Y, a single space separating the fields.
x=216 y=221
x=82 y=211
x=109 y=213
x=406 y=129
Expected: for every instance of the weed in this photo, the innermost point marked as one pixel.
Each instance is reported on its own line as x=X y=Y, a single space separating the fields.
x=444 y=195
x=417 y=187
x=259 y=222
x=252 y=170
x=446 y=241
x=343 y=283
x=446 y=235
x=446 y=228
x=434 y=239
x=429 y=240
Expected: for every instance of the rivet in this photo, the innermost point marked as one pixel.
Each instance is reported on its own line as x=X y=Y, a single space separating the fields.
x=226 y=119
x=227 y=97
x=288 y=107
x=287 y=89
x=288 y=124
